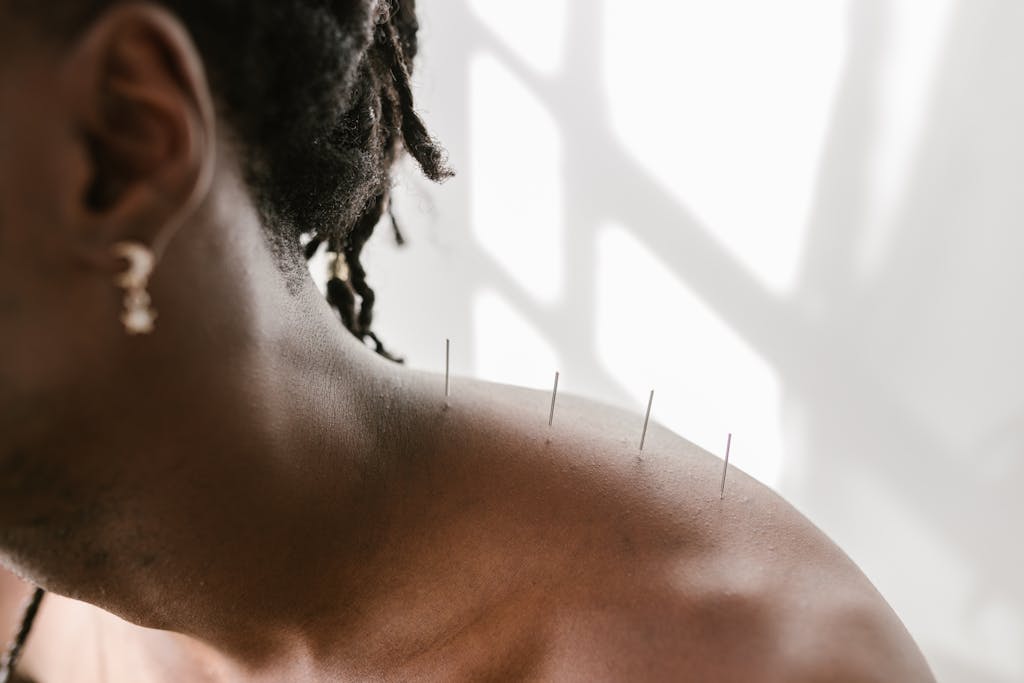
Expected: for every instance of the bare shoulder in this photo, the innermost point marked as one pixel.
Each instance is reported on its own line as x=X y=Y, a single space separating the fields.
x=731 y=638
x=666 y=580
x=767 y=598
x=741 y=588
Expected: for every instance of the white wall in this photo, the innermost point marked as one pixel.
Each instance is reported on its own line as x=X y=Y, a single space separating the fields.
x=799 y=221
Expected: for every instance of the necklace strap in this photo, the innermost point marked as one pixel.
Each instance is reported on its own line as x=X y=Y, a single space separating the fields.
x=10 y=661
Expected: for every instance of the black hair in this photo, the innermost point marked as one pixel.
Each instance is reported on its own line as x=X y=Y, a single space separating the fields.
x=317 y=95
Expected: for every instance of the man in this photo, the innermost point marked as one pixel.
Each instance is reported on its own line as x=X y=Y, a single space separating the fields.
x=189 y=440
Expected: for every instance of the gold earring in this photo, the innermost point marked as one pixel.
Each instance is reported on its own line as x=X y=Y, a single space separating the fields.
x=138 y=316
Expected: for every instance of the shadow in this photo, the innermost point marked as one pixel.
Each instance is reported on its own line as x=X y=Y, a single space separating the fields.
x=902 y=381
x=935 y=332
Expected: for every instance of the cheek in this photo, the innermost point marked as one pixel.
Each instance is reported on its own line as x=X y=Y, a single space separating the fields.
x=44 y=297
x=19 y=266
x=43 y=167
x=58 y=317
x=40 y=174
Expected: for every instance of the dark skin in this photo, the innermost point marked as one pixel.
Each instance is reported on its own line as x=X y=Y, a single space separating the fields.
x=258 y=497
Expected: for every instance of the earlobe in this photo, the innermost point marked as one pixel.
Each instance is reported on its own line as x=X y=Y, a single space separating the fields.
x=146 y=123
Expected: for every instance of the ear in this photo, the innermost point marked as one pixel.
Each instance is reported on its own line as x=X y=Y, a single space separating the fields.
x=146 y=122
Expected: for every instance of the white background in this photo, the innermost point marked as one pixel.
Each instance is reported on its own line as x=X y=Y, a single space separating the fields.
x=799 y=221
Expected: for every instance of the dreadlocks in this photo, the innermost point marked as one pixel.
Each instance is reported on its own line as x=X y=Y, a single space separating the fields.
x=318 y=98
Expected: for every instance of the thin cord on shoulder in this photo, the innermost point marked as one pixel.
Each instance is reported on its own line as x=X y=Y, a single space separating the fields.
x=10 y=660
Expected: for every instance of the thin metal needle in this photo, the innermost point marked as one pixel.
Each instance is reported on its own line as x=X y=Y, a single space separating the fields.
x=447 y=366
x=647 y=419
x=725 y=467
x=554 y=393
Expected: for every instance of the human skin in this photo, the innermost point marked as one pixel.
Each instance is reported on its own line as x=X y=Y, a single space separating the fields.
x=257 y=496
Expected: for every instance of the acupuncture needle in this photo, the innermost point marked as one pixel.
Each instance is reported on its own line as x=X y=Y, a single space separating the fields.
x=447 y=372
x=725 y=466
x=647 y=419
x=554 y=395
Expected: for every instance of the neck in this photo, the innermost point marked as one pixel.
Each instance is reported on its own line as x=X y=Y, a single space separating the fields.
x=271 y=497
x=237 y=482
